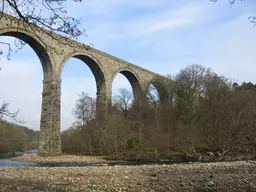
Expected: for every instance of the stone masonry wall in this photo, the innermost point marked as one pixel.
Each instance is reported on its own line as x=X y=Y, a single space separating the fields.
x=50 y=142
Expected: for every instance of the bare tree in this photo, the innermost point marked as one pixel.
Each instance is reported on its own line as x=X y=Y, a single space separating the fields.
x=123 y=100
x=237 y=111
x=85 y=112
x=189 y=87
x=217 y=87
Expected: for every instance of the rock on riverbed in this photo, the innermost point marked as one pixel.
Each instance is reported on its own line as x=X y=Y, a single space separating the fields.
x=231 y=176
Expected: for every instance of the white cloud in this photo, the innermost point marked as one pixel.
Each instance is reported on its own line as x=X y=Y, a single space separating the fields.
x=140 y=26
x=168 y=19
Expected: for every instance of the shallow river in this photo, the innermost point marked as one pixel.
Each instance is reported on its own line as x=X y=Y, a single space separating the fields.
x=5 y=162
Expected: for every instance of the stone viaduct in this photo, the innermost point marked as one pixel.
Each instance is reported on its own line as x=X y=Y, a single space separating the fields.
x=53 y=51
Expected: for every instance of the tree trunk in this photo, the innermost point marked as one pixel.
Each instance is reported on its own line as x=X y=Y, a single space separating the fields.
x=115 y=141
x=90 y=139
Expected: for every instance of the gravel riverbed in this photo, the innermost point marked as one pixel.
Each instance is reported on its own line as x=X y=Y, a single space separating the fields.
x=222 y=176
x=60 y=159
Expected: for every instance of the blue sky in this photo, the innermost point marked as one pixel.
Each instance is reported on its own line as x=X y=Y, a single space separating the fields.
x=163 y=36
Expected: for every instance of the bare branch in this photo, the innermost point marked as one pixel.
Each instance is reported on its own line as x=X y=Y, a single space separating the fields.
x=47 y=14
x=4 y=112
x=237 y=124
x=9 y=50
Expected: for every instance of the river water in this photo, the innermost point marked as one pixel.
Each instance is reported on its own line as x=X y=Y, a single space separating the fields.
x=5 y=162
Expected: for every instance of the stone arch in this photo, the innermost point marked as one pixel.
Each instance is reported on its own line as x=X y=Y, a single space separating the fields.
x=161 y=89
x=92 y=63
x=49 y=139
x=36 y=45
x=102 y=98
x=133 y=80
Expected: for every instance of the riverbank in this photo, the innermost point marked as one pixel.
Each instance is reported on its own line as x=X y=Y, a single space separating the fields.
x=222 y=176
x=85 y=159
x=73 y=159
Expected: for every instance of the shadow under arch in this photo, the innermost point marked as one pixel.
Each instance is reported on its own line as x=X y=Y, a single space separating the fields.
x=133 y=80
x=36 y=45
x=161 y=89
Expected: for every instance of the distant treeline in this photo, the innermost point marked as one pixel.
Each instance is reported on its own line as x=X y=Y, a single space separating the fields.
x=10 y=132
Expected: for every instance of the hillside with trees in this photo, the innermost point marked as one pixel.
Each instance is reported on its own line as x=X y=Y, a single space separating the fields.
x=15 y=138
x=209 y=115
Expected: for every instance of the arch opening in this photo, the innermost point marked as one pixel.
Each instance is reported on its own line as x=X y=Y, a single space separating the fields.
x=37 y=47
x=93 y=66
x=126 y=90
x=156 y=94
x=78 y=81
x=133 y=81
x=21 y=86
